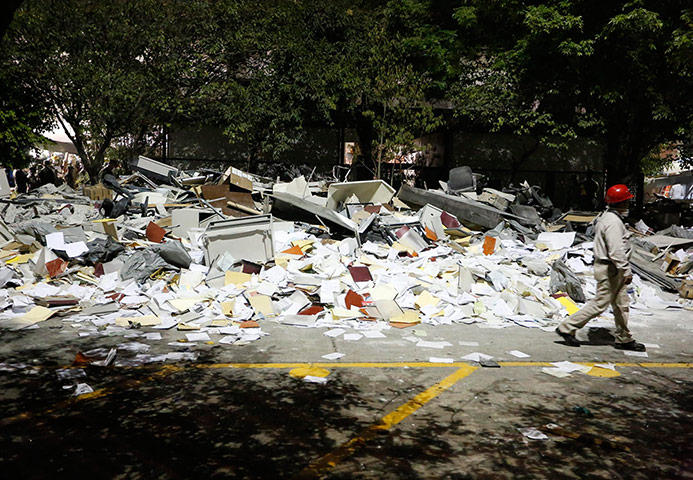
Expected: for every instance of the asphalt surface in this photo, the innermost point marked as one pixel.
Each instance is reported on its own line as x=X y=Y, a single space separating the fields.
x=385 y=411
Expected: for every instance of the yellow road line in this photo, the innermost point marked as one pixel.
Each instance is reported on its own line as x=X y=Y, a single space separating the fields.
x=416 y=365
x=99 y=393
x=290 y=365
x=331 y=365
x=321 y=466
x=665 y=365
x=166 y=369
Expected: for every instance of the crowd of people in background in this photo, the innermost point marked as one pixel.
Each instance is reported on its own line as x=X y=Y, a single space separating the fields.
x=58 y=170
x=52 y=170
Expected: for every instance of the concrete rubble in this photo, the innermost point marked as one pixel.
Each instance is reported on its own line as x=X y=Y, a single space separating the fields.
x=215 y=257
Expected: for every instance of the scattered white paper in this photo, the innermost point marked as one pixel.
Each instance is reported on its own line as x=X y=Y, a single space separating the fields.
x=477 y=357
x=313 y=379
x=532 y=433
x=468 y=344
x=555 y=372
x=82 y=388
x=518 y=354
x=233 y=330
x=197 y=337
x=570 y=367
x=352 y=337
x=440 y=360
x=180 y=356
x=134 y=347
x=333 y=356
x=55 y=241
x=557 y=240
x=267 y=288
x=328 y=289
x=631 y=353
x=75 y=249
x=334 y=332
x=373 y=334
x=428 y=344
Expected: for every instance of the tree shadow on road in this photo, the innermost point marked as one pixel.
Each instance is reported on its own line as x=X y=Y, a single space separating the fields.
x=192 y=423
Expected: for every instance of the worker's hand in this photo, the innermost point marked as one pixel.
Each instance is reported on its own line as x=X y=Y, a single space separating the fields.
x=628 y=279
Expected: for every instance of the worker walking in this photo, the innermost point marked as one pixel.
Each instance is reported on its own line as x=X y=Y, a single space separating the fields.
x=612 y=272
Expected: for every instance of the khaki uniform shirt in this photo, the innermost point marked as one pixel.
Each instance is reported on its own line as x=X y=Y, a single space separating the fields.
x=611 y=241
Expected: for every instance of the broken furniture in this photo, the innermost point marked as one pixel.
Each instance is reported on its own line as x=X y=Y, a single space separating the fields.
x=467 y=211
x=247 y=238
x=157 y=171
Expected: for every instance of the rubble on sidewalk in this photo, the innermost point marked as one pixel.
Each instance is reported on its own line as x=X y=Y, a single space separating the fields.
x=216 y=257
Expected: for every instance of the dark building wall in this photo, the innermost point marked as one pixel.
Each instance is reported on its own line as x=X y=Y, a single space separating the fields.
x=208 y=147
x=495 y=155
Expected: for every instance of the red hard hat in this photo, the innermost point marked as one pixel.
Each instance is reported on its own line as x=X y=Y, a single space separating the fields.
x=617 y=194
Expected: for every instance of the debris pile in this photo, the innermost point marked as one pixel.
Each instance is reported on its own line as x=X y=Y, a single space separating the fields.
x=218 y=256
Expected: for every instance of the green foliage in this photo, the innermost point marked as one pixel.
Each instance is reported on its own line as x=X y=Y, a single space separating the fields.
x=113 y=73
x=563 y=69
x=118 y=73
x=21 y=115
x=363 y=63
x=16 y=137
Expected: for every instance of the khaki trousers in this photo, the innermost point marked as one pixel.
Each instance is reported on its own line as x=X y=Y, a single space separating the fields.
x=611 y=289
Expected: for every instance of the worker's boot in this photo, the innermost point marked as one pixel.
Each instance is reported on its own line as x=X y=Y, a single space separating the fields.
x=632 y=345
x=569 y=339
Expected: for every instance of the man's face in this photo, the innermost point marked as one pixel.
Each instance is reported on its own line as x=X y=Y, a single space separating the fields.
x=622 y=207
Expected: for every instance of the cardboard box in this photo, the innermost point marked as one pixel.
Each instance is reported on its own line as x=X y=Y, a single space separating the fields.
x=237 y=178
x=671 y=264
x=496 y=199
x=686 y=290
x=97 y=192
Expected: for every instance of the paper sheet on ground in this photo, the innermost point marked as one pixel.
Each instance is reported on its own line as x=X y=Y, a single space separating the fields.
x=518 y=354
x=440 y=360
x=333 y=356
x=477 y=357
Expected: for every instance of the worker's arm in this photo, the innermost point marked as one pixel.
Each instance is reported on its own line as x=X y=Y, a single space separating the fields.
x=615 y=236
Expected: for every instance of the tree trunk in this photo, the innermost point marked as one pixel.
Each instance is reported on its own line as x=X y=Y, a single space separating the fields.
x=93 y=163
x=86 y=159
x=93 y=170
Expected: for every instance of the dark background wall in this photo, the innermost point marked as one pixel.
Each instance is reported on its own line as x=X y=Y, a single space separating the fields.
x=504 y=159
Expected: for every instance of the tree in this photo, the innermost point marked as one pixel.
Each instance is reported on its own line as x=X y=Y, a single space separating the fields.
x=340 y=63
x=563 y=69
x=115 y=73
x=21 y=116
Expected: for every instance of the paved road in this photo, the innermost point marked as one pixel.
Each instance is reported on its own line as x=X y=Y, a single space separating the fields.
x=385 y=412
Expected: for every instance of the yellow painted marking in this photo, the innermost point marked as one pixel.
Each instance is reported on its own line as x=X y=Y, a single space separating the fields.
x=525 y=364
x=99 y=393
x=332 y=365
x=102 y=392
x=383 y=365
x=321 y=466
x=302 y=372
x=418 y=365
x=666 y=365
x=603 y=372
